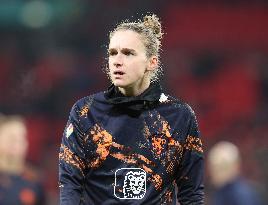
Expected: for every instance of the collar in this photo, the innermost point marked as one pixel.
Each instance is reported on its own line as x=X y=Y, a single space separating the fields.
x=150 y=97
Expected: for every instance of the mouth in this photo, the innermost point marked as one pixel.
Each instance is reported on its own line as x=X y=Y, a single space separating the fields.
x=118 y=73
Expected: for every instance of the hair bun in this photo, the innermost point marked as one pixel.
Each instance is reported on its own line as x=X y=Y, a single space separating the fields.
x=152 y=22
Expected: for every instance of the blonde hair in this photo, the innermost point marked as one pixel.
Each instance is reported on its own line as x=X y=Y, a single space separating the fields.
x=150 y=30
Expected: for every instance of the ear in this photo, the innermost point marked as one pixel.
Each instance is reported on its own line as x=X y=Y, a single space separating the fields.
x=152 y=63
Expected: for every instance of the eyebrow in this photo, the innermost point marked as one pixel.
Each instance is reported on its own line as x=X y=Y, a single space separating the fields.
x=123 y=49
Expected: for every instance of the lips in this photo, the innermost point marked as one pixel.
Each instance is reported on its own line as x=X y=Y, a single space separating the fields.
x=118 y=72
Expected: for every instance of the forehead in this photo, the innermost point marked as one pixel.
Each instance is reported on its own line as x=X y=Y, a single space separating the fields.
x=126 y=39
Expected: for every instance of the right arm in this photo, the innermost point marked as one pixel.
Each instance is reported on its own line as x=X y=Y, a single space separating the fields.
x=72 y=161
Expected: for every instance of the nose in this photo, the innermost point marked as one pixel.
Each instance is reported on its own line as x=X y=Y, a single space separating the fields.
x=118 y=61
x=116 y=64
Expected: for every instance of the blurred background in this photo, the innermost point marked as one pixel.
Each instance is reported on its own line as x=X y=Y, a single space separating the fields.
x=215 y=57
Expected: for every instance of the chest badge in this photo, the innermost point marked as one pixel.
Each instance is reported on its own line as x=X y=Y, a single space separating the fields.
x=130 y=183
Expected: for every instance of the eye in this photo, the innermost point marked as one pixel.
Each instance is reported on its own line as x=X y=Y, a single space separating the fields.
x=128 y=53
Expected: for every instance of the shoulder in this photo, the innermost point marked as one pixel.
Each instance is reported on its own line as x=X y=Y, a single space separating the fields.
x=85 y=101
x=81 y=110
x=84 y=104
x=176 y=105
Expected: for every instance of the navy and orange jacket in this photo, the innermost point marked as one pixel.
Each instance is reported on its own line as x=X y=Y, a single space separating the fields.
x=131 y=150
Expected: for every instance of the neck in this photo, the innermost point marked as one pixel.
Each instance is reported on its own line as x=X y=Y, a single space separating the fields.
x=134 y=91
x=137 y=88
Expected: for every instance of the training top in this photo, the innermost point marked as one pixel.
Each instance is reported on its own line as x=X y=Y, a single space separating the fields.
x=144 y=150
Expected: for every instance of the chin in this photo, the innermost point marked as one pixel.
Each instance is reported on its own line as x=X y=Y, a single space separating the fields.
x=120 y=84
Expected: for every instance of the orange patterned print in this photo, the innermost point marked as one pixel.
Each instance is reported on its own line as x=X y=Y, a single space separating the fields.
x=119 y=146
x=167 y=198
x=103 y=140
x=131 y=156
x=146 y=130
x=147 y=169
x=125 y=158
x=193 y=143
x=157 y=180
x=140 y=161
x=168 y=195
x=147 y=161
x=158 y=144
x=170 y=167
x=70 y=158
x=84 y=111
x=166 y=128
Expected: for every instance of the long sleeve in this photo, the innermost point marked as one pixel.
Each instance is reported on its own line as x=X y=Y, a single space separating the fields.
x=190 y=178
x=72 y=162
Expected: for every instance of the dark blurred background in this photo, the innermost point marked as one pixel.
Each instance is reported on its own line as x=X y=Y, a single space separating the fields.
x=215 y=57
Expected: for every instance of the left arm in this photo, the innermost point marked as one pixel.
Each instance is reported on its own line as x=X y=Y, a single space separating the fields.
x=190 y=180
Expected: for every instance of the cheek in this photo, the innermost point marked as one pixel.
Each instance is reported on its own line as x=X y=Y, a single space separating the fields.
x=139 y=67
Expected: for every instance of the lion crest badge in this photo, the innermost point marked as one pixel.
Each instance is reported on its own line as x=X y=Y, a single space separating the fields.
x=130 y=183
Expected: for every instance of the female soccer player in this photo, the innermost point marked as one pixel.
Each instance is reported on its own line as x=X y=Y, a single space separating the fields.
x=132 y=144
